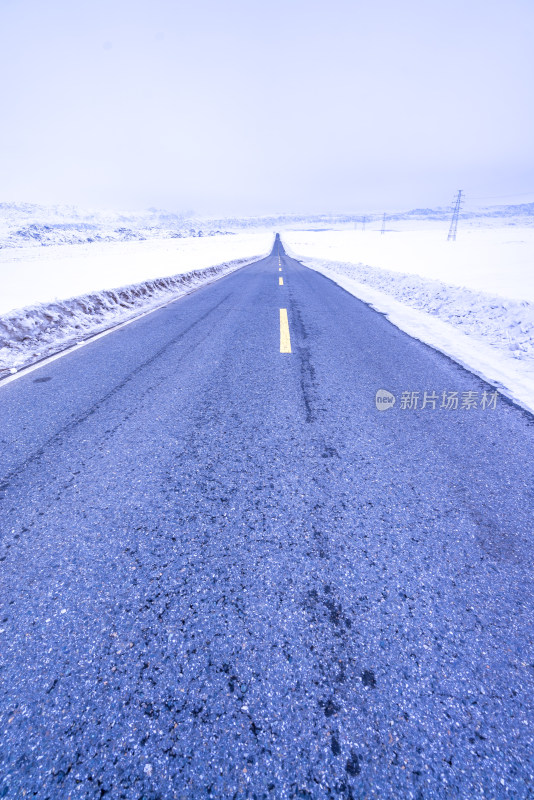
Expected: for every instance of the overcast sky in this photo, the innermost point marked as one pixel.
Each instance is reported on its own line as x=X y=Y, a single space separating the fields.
x=244 y=106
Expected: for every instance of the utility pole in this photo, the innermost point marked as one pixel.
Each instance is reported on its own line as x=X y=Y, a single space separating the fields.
x=364 y=220
x=383 y=224
x=455 y=214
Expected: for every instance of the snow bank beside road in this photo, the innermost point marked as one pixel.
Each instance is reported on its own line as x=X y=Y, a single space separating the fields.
x=489 y=333
x=30 y=275
x=74 y=296
x=35 y=332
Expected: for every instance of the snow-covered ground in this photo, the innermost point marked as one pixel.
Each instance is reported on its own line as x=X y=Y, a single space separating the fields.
x=30 y=275
x=54 y=296
x=473 y=299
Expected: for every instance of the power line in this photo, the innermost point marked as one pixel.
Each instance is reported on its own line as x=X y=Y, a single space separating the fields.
x=501 y=196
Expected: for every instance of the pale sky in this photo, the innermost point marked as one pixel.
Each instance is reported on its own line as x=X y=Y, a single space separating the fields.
x=243 y=107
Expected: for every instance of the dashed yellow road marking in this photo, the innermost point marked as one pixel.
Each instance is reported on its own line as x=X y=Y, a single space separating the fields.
x=285 y=341
x=280 y=281
x=279 y=269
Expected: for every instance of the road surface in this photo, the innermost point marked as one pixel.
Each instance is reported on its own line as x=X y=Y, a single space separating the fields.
x=225 y=573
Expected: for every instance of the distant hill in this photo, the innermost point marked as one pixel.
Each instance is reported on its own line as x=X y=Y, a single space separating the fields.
x=28 y=224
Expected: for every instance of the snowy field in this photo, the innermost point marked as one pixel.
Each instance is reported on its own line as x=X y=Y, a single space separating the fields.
x=473 y=299
x=54 y=296
x=44 y=274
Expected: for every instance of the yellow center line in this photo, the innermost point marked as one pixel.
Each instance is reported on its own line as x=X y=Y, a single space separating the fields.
x=279 y=269
x=280 y=281
x=285 y=341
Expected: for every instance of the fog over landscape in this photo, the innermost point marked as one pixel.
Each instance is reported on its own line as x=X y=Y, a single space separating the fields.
x=241 y=108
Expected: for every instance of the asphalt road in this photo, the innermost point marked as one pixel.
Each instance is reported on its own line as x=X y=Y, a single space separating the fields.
x=225 y=573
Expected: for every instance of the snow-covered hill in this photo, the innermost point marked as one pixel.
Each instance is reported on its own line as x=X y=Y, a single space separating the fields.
x=29 y=225
x=471 y=215
x=26 y=225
